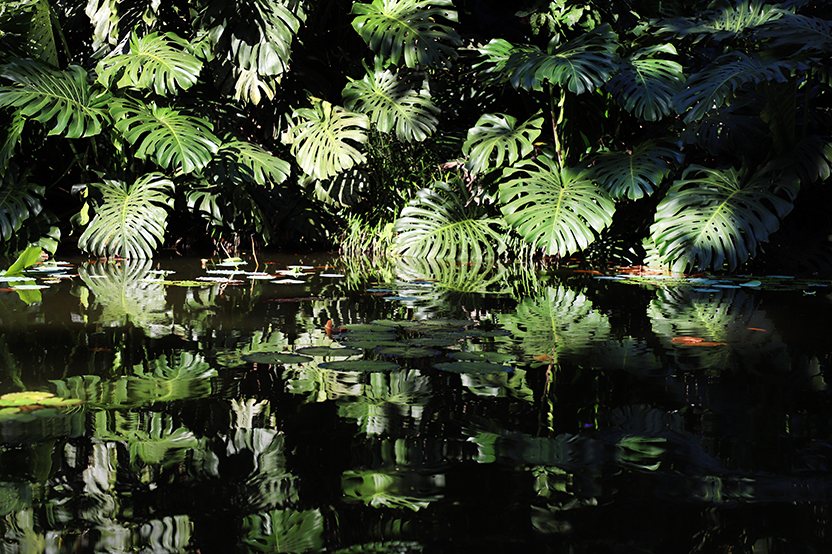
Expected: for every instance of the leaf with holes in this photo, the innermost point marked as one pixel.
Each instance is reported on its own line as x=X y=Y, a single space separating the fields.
x=556 y=210
x=718 y=217
x=154 y=62
x=408 y=29
x=130 y=220
x=393 y=102
x=171 y=139
x=499 y=135
x=325 y=141
x=63 y=100
x=633 y=174
x=441 y=223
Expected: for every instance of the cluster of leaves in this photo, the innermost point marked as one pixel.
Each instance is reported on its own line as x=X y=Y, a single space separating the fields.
x=713 y=116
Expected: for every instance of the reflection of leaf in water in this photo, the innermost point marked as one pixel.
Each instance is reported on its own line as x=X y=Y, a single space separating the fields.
x=394 y=488
x=124 y=294
x=499 y=384
x=627 y=354
x=151 y=437
x=284 y=531
x=559 y=322
x=724 y=317
x=180 y=376
x=260 y=341
x=464 y=278
x=402 y=391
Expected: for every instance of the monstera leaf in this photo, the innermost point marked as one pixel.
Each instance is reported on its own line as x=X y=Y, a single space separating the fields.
x=19 y=200
x=726 y=22
x=556 y=210
x=633 y=174
x=393 y=102
x=171 y=139
x=324 y=141
x=580 y=65
x=63 y=100
x=253 y=35
x=499 y=134
x=239 y=161
x=155 y=62
x=730 y=129
x=645 y=85
x=440 y=224
x=798 y=34
x=130 y=221
x=716 y=84
x=408 y=29
x=715 y=218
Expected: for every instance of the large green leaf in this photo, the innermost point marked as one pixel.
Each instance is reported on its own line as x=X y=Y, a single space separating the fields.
x=12 y=132
x=633 y=174
x=645 y=85
x=408 y=29
x=324 y=141
x=559 y=211
x=173 y=140
x=130 y=221
x=155 y=62
x=732 y=129
x=718 y=217
x=19 y=200
x=499 y=135
x=253 y=35
x=239 y=161
x=798 y=34
x=62 y=99
x=582 y=64
x=393 y=102
x=725 y=22
x=41 y=38
x=716 y=84
x=441 y=223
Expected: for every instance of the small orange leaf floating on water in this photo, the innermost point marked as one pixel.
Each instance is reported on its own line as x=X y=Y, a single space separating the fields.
x=543 y=358
x=696 y=341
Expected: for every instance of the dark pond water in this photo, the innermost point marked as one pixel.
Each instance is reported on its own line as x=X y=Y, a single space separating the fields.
x=447 y=408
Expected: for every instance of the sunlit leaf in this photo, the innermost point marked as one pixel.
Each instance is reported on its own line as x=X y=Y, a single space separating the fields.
x=500 y=136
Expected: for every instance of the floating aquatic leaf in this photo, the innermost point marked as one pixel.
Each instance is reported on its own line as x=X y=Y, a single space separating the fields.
x=753 y=283
x=367 y=327
x=276 y=358
x=496 y=357
x=14 y=278
x=359 y=365
x=29 y=287
x=403 y=298
x=185 y=283
x=447 y=322
x=472 y=367
x=434 y=341
x=368 y=335
x=328 y=352
x=289 y=282
x=24 y=398
x=367 y=344
x=300 y=267
x=380 y=290
x=397 y=323
x=259 y=276
x=332 y=275
x=407 y=351
x=60 y=402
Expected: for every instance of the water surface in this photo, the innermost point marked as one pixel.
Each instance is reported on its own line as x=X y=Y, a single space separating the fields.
x=191 y=406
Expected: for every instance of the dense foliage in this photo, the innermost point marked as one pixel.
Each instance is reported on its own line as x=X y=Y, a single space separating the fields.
x=686 y=134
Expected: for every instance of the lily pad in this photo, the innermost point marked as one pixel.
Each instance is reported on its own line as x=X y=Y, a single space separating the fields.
x=472 y=367
x=360 y=365
x=434 y=341
x=289 y=282
x=370 y=335
x=328 y=352
x=407 y=351
x=495 y=357
x=397 y=323
x=366 y=344
x=24 y=398
x=367 y=327
x=276 y=358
